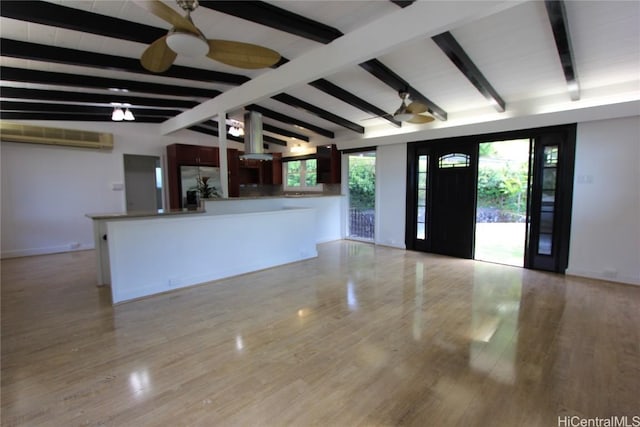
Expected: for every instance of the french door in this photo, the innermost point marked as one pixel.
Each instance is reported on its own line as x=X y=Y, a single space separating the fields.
x=441 y=195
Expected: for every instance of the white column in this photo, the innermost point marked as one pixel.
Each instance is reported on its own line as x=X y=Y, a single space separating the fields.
x=222 y=144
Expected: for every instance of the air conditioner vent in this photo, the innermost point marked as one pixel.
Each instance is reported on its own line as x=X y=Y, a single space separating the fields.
x=16 y=132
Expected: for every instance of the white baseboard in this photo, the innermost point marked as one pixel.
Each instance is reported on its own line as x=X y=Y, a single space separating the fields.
x=392 y=245
x=17 y=253
x=629 y=280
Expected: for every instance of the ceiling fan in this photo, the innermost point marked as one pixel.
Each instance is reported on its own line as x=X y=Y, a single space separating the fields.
x=411 y=113
x=186 y=39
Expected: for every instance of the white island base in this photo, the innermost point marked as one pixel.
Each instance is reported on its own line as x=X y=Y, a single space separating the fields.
x=150 y=255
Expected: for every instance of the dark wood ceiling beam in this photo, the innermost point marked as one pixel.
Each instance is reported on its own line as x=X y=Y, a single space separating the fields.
x=290 y=120
x=55 y=15
x=450 y=46
x=211 y=128
x=30 y=115
x=560 y=26
x=61 y=55
x=265 y=138
x=284 y=132
x=312 y=109
x=93 y=98
x=264 y=13
x=384 y=73
x=272 y=16
x=45 y=107
x=275 y=17
x=76 y=80
x=336 y=91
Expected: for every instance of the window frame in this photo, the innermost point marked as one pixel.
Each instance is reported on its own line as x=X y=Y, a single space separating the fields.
x=319 y=187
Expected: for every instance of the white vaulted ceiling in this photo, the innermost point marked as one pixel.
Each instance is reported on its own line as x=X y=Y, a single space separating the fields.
x=511 y=43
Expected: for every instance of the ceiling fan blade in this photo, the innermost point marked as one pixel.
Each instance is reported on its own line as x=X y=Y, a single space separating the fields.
x=418 y=119
x=242 y=55
x=167 y=14
x=416 y=107
x=158 y=57
x=384 y=116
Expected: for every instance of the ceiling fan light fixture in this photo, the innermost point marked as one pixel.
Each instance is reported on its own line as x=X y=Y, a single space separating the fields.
x=128 y=115
x=236 y=131
x=117 y=115
x=187 y=44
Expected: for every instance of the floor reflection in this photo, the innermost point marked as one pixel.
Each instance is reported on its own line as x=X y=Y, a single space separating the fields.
x=418 y=301
x=140 y=383
x=494 y=320
x=352 y=299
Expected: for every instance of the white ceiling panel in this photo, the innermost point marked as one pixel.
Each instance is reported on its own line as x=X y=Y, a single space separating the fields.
x=605 y=41
x=515 y=51
x=423 y=65
x=345 y=16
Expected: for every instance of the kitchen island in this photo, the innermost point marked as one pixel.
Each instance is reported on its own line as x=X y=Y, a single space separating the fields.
x=145 y=254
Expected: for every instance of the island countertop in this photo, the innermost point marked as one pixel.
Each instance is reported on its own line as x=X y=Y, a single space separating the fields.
x=143 y=214
x=282 y=196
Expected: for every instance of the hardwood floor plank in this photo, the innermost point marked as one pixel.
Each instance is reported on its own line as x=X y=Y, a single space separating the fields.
x=361 y=335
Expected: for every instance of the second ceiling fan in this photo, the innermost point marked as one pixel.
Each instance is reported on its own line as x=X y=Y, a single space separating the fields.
x=186 y=39
x=411 y=113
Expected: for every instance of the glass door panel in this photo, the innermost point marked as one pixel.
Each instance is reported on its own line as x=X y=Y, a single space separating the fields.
x=547 y=206
x=362 y=195
x=421 y=217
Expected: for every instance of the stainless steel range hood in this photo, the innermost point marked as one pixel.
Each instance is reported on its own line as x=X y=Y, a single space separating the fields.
x=253 y=144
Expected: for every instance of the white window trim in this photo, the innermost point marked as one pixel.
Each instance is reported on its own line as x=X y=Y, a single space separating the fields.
x=302 y=186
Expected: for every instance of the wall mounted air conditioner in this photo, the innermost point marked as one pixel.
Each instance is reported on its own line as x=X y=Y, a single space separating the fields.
x=16 y=132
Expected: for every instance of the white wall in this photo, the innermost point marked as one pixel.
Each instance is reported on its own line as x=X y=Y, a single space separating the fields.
x=329 y=218
x=605 y=226
x=605 y=229
x=47 y=190
x=391 y=185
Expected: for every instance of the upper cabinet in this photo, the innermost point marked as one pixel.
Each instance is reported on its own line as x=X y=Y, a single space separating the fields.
x=196 y=155
x=329 y=167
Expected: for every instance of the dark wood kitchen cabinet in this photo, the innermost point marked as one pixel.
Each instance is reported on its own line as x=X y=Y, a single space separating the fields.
x=266 y=172
x=329 y=165
x=276 y=169
x=197 y=155
x=233 y=164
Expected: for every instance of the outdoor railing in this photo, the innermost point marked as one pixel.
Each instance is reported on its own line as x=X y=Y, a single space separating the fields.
x=361 y=223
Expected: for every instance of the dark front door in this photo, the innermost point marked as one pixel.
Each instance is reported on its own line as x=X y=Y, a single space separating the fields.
x=453 y=200
x=441 y=195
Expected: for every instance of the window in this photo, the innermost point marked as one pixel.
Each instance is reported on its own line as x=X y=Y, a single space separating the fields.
x=301 y=175
x=423 y=170
x=454 y=160
x=548 y=204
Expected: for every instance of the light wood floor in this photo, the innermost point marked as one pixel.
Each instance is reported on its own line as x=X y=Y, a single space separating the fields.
x=362 y=335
